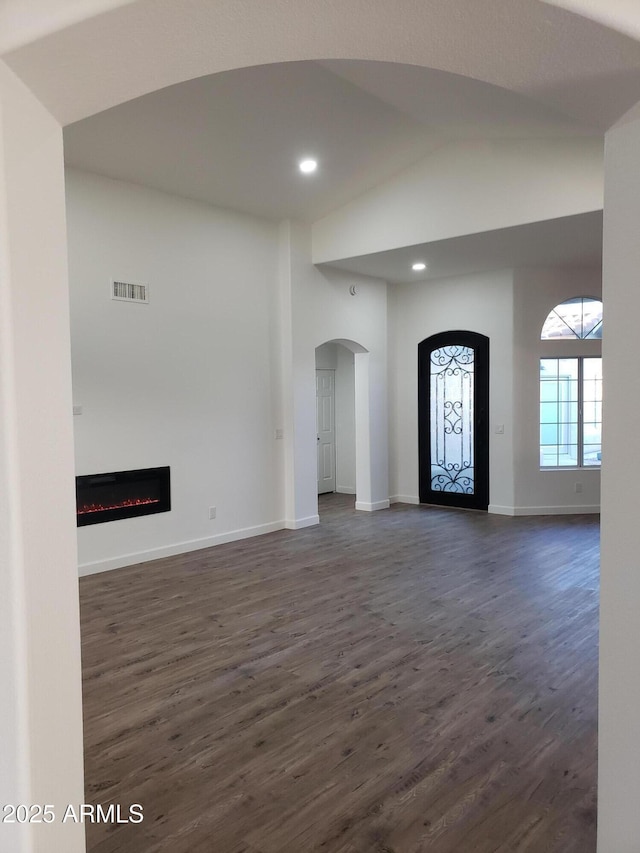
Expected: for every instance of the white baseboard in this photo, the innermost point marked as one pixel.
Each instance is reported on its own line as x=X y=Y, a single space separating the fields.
x=501 y=510
x=299 y=523
x=179 y=548
x=345 y=490
x=496 y=509
x=557 y=510
x=367 y=507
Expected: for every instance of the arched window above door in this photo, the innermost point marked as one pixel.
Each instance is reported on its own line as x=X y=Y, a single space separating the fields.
x=576 y=319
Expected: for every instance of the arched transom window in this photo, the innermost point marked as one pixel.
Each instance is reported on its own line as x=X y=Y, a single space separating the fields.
x=571 y=387
x=579 y=318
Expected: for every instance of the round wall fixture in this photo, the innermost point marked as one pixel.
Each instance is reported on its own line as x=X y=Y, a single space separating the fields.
x=353 y=290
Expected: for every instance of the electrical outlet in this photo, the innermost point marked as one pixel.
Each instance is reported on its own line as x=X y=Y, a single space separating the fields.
x=279 y=434
x=77 y=408
x=499 y=429
x=212 y=512
x=578 y=488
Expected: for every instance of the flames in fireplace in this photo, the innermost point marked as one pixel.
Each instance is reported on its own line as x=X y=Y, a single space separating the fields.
x=126 y=503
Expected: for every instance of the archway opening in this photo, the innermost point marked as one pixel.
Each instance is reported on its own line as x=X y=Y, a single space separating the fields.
x=342 y=423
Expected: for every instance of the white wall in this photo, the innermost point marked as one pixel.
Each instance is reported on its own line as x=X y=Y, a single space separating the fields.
x=189 y=380
x=509 y=307
x=323 y=309
x=202 y=376
x=40 y=695
x=480 y=303
x=619 y=692
x=467 y=188
x=536 y=293
x=345 y=422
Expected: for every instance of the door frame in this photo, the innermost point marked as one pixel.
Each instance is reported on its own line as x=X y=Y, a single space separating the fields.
x=480 y=345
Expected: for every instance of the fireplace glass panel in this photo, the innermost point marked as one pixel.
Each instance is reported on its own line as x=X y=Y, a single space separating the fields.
x=122 y=494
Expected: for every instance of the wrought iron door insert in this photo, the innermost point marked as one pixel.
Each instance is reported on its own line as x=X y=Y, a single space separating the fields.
x=453 y=408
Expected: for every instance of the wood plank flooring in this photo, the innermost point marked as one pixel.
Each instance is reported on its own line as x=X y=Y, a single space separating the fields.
x=416 y=680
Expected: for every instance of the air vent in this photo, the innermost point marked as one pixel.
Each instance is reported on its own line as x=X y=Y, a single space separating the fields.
x=129 y=291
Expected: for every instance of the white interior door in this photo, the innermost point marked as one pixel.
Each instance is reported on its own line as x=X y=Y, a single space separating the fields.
x=326 y=426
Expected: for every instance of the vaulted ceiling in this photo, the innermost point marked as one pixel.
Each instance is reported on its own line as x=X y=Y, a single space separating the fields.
x=234 y=139
x=470 y=71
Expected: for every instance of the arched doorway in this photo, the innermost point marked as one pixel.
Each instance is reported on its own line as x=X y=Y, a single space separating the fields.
x=343 y=420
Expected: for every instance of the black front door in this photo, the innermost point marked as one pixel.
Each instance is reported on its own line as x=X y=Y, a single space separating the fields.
x=453 y=419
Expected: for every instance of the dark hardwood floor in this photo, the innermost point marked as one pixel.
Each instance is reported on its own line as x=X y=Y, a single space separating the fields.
x=416 y=680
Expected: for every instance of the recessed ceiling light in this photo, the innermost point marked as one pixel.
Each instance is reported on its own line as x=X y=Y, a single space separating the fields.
x=419 y=266
x=308 y=166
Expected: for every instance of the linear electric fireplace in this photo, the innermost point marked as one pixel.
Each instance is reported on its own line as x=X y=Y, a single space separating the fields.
x=122 y=494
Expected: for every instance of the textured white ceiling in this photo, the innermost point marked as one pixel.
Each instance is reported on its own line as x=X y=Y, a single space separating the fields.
x=457 y=107
x=569 y=63
x=23 y=22
x=234 y=139
x=621 y=15
x=568 y=242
